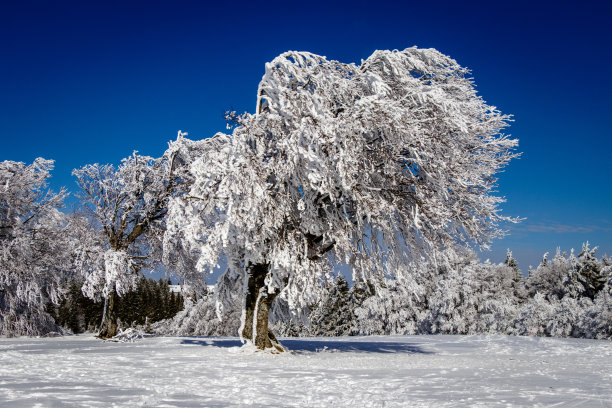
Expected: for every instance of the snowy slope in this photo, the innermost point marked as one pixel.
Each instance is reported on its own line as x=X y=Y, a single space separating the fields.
x=81 y=371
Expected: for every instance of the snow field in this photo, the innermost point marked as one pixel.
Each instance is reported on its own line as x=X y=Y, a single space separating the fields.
x=380 y=371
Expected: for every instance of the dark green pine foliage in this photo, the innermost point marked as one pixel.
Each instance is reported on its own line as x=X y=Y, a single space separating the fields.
x=179 y=301
x=161 y=295
x=591 y=272
x=130 y=306
x=335 y=315
x=150 y=302
x=518 y=283
x=75 y=311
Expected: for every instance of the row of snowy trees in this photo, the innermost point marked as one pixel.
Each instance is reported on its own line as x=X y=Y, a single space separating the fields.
x=568 y=296
x=380 y=166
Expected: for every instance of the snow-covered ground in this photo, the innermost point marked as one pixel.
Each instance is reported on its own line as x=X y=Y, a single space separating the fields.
x=383 y=371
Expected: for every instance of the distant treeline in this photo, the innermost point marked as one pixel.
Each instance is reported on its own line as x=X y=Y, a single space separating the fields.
x=150 y=302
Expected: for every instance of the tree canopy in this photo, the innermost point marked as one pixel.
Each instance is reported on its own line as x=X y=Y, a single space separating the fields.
x=366 y=165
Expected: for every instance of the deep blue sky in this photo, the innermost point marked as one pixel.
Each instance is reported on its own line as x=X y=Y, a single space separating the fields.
x=91 y=81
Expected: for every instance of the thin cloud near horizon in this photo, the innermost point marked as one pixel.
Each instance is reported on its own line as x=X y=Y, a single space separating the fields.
x=561 y=228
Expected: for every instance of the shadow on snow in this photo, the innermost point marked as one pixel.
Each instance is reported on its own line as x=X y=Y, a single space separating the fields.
x=323 y=345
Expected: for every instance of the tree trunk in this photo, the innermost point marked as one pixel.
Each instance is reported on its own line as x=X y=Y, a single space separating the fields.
x=258 y=302
x=108 y=328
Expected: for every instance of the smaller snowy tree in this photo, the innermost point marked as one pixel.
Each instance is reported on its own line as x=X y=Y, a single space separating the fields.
x=518 y=283
x=577 y=277
x=34 y=249
x=453 y=305
x=548 y=278
x=567 y=297
x=399 y=304
x=500 y=297
x=472 y=297
x=596 y=322
x=591 y=272
x=535 y=315
x=334 y=315
x=204 y=317
x=129 y=203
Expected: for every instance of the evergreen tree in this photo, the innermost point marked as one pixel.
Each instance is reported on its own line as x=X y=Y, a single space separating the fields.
x=591 y=272
x=518 y=283
x=334 y=314
x=548 y=278
x=68 y=313
x=76 y=312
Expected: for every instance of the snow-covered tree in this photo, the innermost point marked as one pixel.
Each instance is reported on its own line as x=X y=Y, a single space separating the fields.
x=129 y=202
x=568 y=296
x=535 y=316
x=334 y=314
x=390 y=311
x=596 y=322
x=582 y=276
x=398 y=306
x=455 y=293
x=518 y=283
x=462 y=290
x=548 y=278
x=34 y=249
x=199 y=318
x=369 y=165
x=591 y=272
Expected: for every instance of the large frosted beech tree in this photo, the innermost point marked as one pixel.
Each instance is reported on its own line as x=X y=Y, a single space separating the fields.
x=366 y=165
x=129 y=203
x=34 y=247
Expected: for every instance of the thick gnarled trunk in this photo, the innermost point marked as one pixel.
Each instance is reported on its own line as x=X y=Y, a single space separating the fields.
x=108 y=327
x=258 y=301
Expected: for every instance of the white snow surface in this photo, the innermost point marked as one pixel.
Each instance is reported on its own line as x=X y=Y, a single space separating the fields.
x=380 y=371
